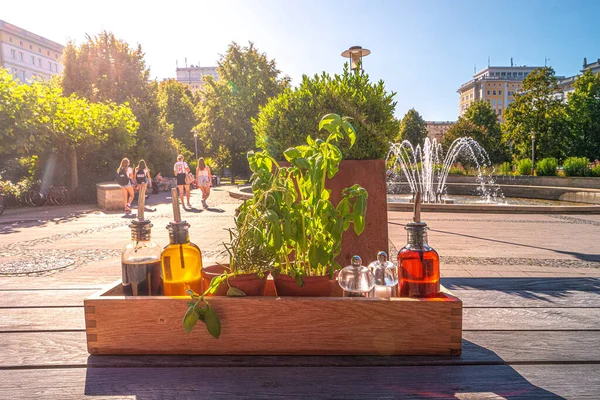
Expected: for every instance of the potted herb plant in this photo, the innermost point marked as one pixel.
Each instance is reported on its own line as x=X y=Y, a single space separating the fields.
x=305 y=227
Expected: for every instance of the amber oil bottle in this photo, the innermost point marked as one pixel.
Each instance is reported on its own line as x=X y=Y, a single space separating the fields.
x=418 y=263
x=181 y=260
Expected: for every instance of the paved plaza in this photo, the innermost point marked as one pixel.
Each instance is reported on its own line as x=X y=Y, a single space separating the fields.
x=80 y=241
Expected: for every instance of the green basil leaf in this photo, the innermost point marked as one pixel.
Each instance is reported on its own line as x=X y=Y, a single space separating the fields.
x=235 y=292
x=213 y=324
x=190 y=319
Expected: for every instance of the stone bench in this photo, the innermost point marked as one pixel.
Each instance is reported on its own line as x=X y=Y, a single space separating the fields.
x=109 y=196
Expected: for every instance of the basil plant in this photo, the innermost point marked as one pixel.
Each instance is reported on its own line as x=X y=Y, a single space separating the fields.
x=302 y=226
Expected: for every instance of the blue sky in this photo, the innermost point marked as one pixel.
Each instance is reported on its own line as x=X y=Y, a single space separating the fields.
x=423 y=50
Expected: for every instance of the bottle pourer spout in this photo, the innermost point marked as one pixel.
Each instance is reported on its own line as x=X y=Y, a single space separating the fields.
x=417 y=208
x=356 y=261
x=382 y=256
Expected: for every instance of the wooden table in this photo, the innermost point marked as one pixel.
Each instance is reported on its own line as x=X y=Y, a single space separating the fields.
x=523 y=338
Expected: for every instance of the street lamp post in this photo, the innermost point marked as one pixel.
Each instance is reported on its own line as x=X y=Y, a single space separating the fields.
x=356 y=54
x=195 y=132
x=532 y=153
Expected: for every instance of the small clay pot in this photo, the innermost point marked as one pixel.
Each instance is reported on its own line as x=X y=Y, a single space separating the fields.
x=314 y=286
x=251 y=284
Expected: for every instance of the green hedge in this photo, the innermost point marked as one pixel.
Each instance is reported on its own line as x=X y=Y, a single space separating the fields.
x=576 y=166
x=524 y=167
x=546 y=167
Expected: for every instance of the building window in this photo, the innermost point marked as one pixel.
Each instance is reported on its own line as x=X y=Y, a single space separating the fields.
x=488 y=92
x=49 y=65
x=32 y=60
x=520 y=74
x=55 y=67
x=494 y=92
x=514 y=74
x=21 y=43
x=10 y=39
x=13 y=54
x=499 y=102
x=503 y=74
x=22 y=75
x=39 y=61
x=30 y=47
x=500 y=92
x=20 y=56
x=494 y=103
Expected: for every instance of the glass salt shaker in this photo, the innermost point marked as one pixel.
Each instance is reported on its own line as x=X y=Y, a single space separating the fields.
x=386 y=276
x=356 y=280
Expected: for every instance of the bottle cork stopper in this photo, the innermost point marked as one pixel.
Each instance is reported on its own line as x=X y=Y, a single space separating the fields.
x=141 y=202
x=176 y=209
x=417 y=208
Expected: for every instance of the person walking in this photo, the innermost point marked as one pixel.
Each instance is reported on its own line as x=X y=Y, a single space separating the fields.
x=181 y=171
x=142 y=175
x=204 y=180
x=124 y=179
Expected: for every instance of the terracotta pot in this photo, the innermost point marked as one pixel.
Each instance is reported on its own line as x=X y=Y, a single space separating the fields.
x=314 y=286
x=251 y=284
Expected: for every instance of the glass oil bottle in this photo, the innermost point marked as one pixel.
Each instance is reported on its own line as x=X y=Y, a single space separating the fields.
x=181 y=259
x=386 y=276
x=418 y=263
x=356 y=280
x=140 y=259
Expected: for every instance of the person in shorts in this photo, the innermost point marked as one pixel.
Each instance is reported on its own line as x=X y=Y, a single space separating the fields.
x=181 y=170
x=204 y=180
x=125 y=179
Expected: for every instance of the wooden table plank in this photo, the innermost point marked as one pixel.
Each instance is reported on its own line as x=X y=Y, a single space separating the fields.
x=530 y=381
x=31 y=350
x=43 y=298
x=33 y=319
x=531 y=319
x=545 y=299
x=520 y=284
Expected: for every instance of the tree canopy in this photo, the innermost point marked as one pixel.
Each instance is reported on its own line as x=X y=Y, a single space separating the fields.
x=480 y=122
x=538 y=108
x=583 y=110
x=413 y=128
x=175 y=101
x=247 y=80
x=288 y=118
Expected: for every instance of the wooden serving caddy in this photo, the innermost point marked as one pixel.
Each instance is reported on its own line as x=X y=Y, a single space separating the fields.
x=116 y=324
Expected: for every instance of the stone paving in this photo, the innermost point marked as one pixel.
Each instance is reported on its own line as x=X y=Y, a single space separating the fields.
x=73 y=241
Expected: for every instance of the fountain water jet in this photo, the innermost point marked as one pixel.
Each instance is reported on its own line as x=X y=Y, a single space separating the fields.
x=426 y=171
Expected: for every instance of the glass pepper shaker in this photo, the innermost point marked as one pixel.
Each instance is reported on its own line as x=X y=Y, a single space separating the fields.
x=356 y=280
x=386 y=276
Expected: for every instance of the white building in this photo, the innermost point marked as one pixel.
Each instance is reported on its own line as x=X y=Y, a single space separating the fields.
x=26 y=54
x=193 y=76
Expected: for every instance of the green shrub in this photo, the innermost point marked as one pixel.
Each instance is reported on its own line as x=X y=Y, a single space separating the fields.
x=457 y=169
x=505 y=168
x=546 y=167
x=576 y=166
x=596 y=170
x=524 y=167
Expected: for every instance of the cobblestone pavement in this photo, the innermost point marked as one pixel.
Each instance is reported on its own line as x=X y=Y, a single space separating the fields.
x=73 y=240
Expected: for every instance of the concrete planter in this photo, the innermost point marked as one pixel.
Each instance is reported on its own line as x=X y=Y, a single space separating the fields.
x=109 y=196
x=558 y=181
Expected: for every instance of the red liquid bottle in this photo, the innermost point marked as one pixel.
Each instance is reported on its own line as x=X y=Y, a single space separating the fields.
x=418 y=263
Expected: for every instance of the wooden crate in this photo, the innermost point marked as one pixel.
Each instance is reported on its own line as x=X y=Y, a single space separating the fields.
x=116 y=324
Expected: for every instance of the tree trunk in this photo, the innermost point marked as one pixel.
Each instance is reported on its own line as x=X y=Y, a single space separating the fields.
x=74 y=178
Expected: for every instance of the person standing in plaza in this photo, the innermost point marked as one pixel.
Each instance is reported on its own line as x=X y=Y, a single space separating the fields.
x=124 y=179
x=181 y=171
x=204 y=180
x=142 y=175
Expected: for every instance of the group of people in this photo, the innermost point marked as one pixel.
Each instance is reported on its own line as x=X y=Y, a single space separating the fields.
x=127 y=177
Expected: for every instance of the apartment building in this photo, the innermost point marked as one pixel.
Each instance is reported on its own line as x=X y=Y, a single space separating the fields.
x=497 y=85
x=193 y=76
x=567 y=84
x=437 y=129
x=26 y=54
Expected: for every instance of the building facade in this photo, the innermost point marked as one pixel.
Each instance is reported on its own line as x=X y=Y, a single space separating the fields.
x=496 y=85
x=193 y=76
x=437 y=129
x=28 y=55
x=567 y=84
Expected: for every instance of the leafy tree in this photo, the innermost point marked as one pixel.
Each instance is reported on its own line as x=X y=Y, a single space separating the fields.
x=480 y=122
x=288 y=118
x=413 y=128
x=247 y=80
x=538 y=109
x=44 y=121
x=107 y=69
x=175 y=101
x=583 y=110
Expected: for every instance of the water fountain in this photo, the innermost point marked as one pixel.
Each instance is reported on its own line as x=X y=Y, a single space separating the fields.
x=426 y=171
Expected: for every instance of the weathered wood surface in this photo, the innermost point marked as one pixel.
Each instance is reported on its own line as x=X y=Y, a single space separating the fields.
x=557 y=319
x=46 y=319
x=474 y=382
x=510 y=285
x=527 y=299
x=43 y=298
x=253 y=325
x=43 y=349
